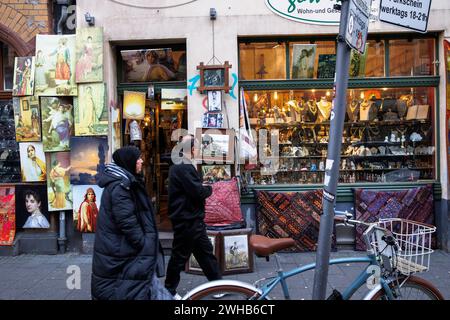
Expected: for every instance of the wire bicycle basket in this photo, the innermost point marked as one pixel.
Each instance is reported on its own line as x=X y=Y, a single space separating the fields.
x=412 y=250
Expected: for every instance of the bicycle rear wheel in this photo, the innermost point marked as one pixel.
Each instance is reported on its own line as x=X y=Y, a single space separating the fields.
x=414 y=288
x=224 y=290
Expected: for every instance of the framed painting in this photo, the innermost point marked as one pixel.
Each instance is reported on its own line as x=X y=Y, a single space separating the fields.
x=88 y=159
x=303 y=58
x=213 y=120
x=32 y=162
x=86 y=205
x=31 y=207
x=89 y=51
x=214 y=100
x=91 y=115
x=214 y=173
x=237 y=256
x=7 y=215
x=192 y=265
x=133 y=105
x=215 y=145
x=59 y=191
x=173 y=99
x=27 y=119
x=57 y=123
x=55 y=65
x=214 y=77
x=24 y=69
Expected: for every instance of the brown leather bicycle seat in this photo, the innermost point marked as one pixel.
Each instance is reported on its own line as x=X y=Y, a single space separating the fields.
x=264 y=246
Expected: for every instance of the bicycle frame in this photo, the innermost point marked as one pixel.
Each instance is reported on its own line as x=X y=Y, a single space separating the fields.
x=349 y=291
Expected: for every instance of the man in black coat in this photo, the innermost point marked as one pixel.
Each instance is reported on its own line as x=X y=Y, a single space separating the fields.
x=127 y=253
x=187 y=197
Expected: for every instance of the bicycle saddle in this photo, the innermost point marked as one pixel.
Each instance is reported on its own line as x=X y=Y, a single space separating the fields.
x=264 y=246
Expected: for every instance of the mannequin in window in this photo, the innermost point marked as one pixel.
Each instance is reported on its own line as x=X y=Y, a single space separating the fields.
x=324 y=109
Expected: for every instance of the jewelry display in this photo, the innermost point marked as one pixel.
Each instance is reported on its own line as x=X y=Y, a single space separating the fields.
x=324 y=109
x=353 y=110
x=312 y=110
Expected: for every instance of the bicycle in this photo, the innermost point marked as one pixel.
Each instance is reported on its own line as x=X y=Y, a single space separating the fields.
x=396 y=250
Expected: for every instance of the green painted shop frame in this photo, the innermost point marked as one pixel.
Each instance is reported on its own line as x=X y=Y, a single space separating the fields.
x=345 y=191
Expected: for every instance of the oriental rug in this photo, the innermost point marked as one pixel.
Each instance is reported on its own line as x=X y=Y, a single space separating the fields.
x=7 y=216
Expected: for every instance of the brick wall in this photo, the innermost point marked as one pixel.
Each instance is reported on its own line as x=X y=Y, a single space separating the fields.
x=25 y=19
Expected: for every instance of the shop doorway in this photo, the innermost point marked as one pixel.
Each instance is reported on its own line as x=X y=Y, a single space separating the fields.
x=158 y=139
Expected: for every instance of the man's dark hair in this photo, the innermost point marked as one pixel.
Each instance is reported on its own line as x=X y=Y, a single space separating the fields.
x=187 y=142
x=35 y=195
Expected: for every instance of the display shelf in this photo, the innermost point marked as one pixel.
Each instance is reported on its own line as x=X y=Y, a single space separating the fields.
x=351 y=124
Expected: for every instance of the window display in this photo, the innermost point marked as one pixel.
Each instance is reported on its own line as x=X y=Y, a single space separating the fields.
x=9 y=148
x=388 y=135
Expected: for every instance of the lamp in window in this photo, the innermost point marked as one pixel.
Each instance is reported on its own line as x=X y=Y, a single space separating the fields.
x=134 y=105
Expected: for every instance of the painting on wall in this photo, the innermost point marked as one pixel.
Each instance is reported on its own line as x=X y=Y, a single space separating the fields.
x=31 y=207
x=7 y=215
x=57 y=123
x=91 y=115
x=133 y=105
x=89 y=51
x=55 y=65
x=88 y=157
x=23 y=76
x=86 y=205
x=27 y=119
x=173 y=99
x=358 y=63
x=58 y=181
x=32 y=162
x=303 y=59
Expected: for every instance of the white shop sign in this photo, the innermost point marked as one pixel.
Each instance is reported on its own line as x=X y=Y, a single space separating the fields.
x=306 y=11
x=357 y=24
x=411 y=14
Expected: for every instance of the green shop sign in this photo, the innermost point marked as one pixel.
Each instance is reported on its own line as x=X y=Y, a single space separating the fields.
x=306 y=11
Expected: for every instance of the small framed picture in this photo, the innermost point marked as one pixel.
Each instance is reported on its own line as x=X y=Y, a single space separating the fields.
x=192 y=266
x=237 y=256
x=214 y=100
x=214 y=173
x=214 y=77
x=215 y=145
x=213 y=120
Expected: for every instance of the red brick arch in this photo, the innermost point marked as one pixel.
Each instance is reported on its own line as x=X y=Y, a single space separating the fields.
x=14 y=39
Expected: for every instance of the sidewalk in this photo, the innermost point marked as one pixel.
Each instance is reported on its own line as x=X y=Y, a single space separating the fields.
x=44 y=277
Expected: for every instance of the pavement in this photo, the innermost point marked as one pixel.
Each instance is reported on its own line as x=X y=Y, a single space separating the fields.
x=53 y=277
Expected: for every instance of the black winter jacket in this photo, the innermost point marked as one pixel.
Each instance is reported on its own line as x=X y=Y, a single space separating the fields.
x=126 y=248
x=186 y=193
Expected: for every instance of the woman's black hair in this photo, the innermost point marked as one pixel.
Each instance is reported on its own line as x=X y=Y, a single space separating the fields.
x=35 y=195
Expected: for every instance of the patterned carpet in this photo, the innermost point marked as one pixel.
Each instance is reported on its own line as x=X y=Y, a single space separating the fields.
x=291 y=214
x=413 y=204
x=7 y=216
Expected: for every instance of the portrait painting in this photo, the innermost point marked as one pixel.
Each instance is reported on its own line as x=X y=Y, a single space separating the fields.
x=57 y=123
x=87 y=158
x=237 y=256
x=27 y=118
x=214 y=173
x=150 y=65
x=91 y=115
x=7 y=215
x=31 y=207
x=86 y=205
x=55 y=65
x=173 y=99
x=215 y=100
x=59 y=191
x=89 y=55
x=216 y=145
x=303 y=58
x=133 y=105
x=23 y=82
x=213 y=120
x=192 y=265
x=32 y=162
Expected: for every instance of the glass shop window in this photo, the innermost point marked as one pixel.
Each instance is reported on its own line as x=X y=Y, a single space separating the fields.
x=312 y=60
x=7 y=55
x=262 y=60
x=411 y=57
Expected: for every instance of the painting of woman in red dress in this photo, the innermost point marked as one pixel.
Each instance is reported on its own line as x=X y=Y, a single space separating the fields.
x=87 y=213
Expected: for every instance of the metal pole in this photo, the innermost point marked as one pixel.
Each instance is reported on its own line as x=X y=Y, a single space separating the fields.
x=333 y=158
x=62 y=232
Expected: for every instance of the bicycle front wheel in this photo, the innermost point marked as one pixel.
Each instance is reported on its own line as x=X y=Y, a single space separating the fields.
x=224 y=290
x=414 y=288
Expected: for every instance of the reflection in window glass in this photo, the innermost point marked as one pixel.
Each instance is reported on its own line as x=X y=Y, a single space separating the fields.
x=375 y=59
x=8 y=56
x=312 y=60
x=266 y=60
x=411 y=57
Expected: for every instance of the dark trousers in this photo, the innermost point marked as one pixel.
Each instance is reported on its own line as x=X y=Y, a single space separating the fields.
x=190 y=238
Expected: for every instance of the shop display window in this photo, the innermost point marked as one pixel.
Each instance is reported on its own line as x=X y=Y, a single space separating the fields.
x=411 y=57
x=312 y=59
x=388 y=135
x=7 y=55
x=262 y=60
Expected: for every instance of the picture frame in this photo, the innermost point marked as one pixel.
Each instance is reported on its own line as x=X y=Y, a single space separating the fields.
x=213 y=120
x=192 y=265
x=214 y=100
x=214 y=145
x=237 y=255
x=214 y=77
x=214 y=173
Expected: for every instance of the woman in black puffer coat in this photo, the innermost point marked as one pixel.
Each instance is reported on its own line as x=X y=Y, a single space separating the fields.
x=127 y=252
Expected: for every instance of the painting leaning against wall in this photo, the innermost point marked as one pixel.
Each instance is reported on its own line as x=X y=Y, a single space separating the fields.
x=89 y=52
x=91 y=115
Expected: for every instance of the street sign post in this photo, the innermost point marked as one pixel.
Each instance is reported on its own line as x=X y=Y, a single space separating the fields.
x=358 y=24
x=411 y=14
